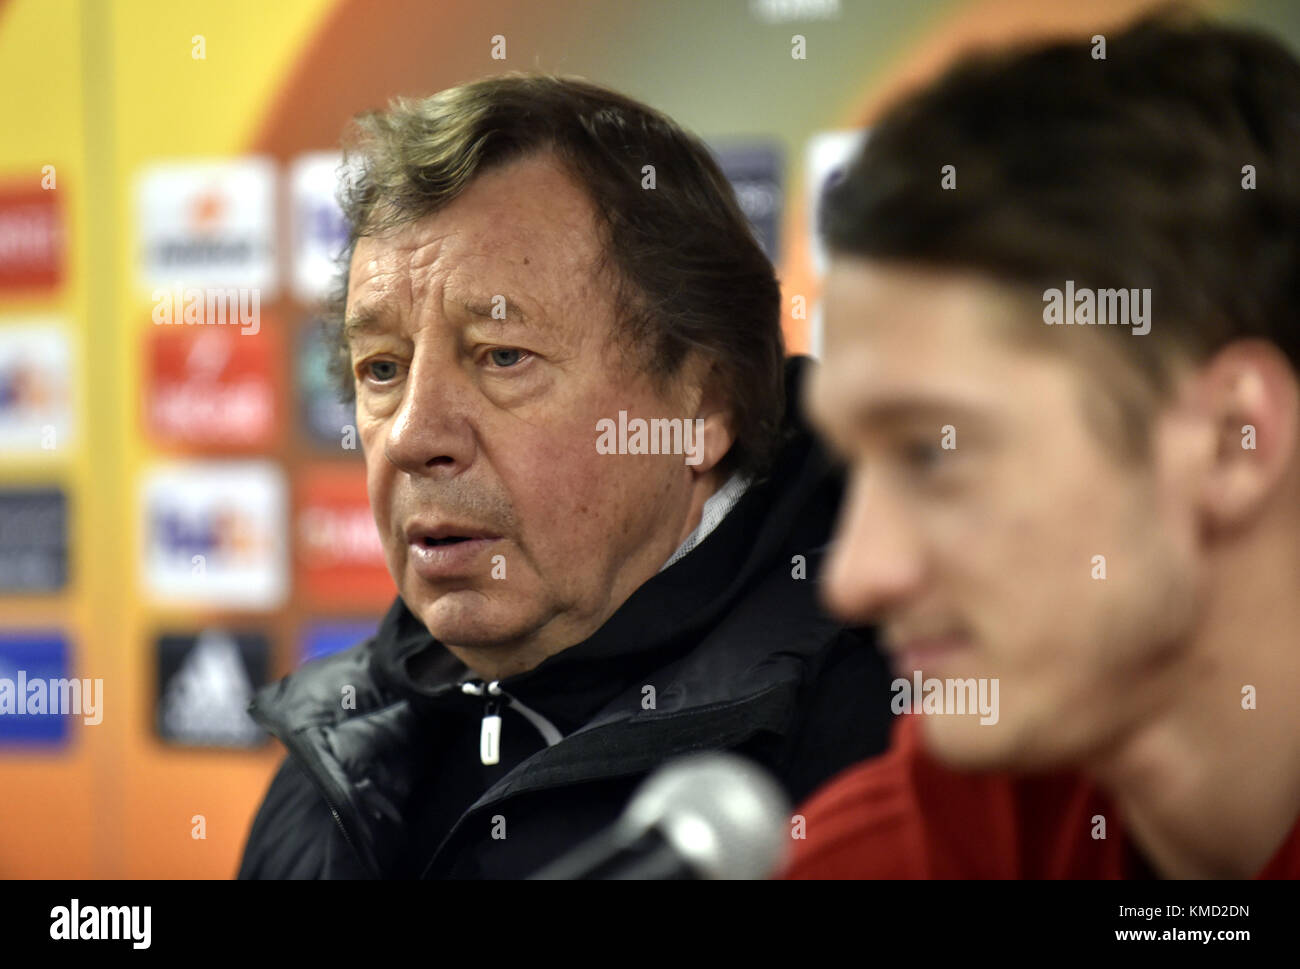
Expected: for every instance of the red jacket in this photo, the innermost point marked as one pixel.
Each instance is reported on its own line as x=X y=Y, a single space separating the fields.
x=903 y=815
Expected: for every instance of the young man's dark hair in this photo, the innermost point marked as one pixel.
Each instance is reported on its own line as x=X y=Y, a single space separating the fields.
x=1130 y=171
x=1063 y=366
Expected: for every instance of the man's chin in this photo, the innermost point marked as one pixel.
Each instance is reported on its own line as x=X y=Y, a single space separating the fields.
x=964 y=743
x=961 y=742
x=470 y=619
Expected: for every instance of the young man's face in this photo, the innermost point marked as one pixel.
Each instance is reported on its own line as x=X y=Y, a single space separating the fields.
x=979 y=560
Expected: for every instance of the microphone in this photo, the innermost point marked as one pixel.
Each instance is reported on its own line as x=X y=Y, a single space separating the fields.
x=705 y=816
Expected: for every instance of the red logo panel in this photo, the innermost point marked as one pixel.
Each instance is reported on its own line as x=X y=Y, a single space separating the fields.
x=213 y=387
x=340 y=558
x=31 y=239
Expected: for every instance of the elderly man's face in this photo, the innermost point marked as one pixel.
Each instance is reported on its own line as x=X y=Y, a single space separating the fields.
x=505 y=530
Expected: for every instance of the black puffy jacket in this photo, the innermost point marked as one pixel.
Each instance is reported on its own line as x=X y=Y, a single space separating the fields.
x=726 y=649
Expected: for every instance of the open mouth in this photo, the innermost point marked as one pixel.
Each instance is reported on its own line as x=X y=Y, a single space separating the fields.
x=429 y=536
x=439 y=552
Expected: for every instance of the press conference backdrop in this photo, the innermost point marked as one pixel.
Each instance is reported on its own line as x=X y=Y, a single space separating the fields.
x=182 y=508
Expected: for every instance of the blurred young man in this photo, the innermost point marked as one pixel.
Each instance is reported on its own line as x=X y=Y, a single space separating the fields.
x=1065 y=374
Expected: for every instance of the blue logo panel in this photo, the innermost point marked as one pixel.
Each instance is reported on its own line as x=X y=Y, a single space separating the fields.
x=324 y=638
x=28 y=662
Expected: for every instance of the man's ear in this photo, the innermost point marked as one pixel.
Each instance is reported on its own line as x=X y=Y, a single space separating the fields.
x=1251 y=393
x=713 y=422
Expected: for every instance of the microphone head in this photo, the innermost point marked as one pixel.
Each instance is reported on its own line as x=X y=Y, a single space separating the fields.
x=723 y=814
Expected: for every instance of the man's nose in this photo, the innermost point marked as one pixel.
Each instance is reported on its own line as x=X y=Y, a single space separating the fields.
x=431 y=433
x=876 y=559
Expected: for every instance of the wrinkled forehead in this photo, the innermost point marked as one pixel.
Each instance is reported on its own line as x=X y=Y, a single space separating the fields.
x=524 y=231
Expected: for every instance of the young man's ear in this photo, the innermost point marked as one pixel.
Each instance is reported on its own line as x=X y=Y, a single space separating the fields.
x=1251 y=393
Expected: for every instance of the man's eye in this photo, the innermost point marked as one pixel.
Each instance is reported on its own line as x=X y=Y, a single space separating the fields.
x=923 y=455
x=505 y=356
x=379 y=370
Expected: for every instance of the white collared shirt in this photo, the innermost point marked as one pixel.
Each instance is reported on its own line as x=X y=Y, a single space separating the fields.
x=716 y=507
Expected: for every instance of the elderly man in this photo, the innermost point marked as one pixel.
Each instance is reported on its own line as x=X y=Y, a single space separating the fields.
x=1098 y=513
x=603 y=522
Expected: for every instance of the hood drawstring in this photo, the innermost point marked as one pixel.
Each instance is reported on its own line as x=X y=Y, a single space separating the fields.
x=489 y=743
